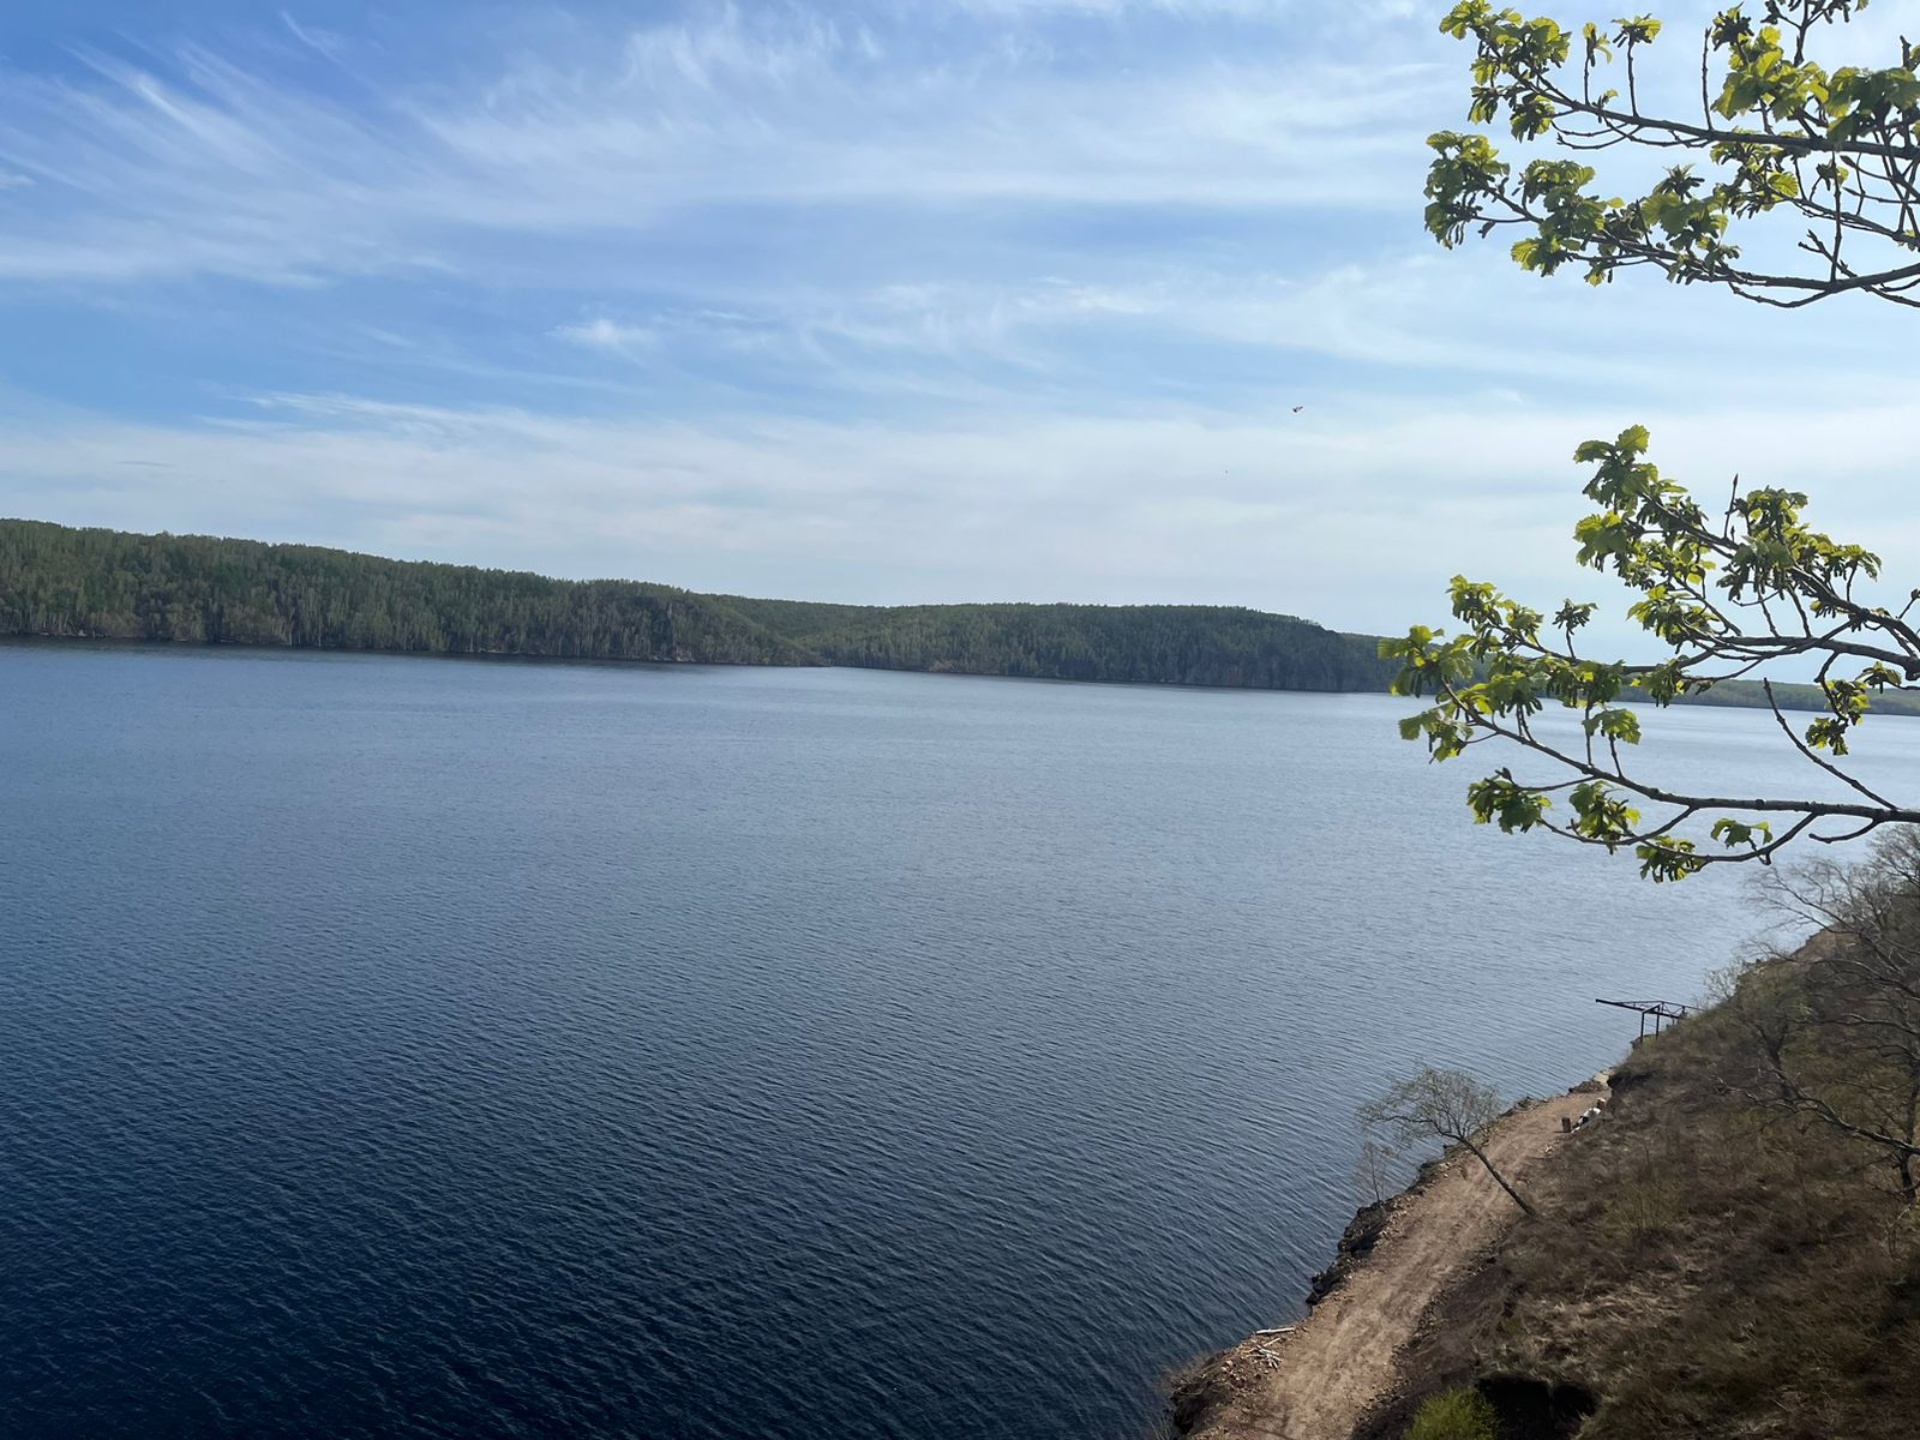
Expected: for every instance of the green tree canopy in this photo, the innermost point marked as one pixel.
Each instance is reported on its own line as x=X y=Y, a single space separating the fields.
x=1777 y=132
x=1726 y=593
x=61 y=582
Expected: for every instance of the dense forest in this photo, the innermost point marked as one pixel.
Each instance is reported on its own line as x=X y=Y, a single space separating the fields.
x=1749 y=695
x=1140 y=644
x=193 y=589
x=61 y=582
x=56 y=581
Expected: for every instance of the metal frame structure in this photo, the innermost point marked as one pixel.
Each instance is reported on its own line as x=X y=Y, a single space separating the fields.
x=1661 y=1012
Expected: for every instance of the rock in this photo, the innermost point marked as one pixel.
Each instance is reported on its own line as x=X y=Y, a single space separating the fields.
x=1363 y=1232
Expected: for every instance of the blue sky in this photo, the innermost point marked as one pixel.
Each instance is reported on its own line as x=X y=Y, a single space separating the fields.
x=881 y=301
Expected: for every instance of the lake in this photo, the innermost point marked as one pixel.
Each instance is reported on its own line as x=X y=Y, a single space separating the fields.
x=448 y=1048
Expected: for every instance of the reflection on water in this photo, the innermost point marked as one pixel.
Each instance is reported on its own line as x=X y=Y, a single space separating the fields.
x=411 y=1048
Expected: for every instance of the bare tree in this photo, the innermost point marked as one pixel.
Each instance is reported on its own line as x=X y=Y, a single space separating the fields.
x=1446 y=1105
x=1373 y=1171
x=1836 y=1023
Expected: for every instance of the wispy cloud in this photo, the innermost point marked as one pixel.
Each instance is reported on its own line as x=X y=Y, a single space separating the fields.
x=1332 y=513
x=204 y=165
x=601 y=333
x=1410 y=326
x=875 y=300
x=313 y=37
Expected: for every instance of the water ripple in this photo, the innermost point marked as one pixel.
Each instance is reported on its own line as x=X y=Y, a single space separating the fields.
x=412 y=1049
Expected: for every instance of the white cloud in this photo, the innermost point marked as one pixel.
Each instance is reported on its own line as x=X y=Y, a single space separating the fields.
x=204 y=166
x=601 y=333
x=1300 y=16
x=1342 y=513
x=1420 y=324
x=1002 y=306
x=1271 y=10
x=325 y=42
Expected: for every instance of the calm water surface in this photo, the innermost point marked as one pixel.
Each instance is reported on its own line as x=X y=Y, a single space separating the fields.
x=415 y=1048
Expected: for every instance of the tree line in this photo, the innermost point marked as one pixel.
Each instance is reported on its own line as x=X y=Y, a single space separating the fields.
x=61 y=582
x=1131 y=644
x=192 y=589
x=56 y=581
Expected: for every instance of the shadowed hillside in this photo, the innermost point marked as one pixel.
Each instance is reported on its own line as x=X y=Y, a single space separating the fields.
x=1141 y=644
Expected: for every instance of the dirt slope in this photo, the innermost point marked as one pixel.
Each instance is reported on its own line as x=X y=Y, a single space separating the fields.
x=1319 y=1381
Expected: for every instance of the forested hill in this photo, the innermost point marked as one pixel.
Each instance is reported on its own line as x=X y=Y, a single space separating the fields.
x=56 y=581
x=1149 y=644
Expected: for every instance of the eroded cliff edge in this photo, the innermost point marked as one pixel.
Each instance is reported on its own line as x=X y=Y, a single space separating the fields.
x=1710 y=1260
x=1344 y=1363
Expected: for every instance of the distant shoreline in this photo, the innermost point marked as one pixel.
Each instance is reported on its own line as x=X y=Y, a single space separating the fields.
x=62 y=583
x=1735 y=695
x=157 y=647
x=59 y=582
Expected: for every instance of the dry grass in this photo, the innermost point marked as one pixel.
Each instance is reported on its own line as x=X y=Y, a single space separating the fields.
x=1706 y=1267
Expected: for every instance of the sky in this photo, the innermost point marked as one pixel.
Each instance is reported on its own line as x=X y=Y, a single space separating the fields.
x=880 y=301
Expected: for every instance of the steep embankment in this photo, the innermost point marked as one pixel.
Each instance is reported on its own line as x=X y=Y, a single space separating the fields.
x=1716 y=1259
x=1320 y=1379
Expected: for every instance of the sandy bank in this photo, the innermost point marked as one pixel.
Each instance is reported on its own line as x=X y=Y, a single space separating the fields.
x=1319 y=1380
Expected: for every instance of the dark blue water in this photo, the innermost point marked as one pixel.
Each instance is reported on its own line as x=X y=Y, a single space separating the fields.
x=418 y=1048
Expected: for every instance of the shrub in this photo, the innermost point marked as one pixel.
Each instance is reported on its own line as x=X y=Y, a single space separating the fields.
x=1456 y=1415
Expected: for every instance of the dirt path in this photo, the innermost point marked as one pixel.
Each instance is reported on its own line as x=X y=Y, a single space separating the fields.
x=1346 y=1354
